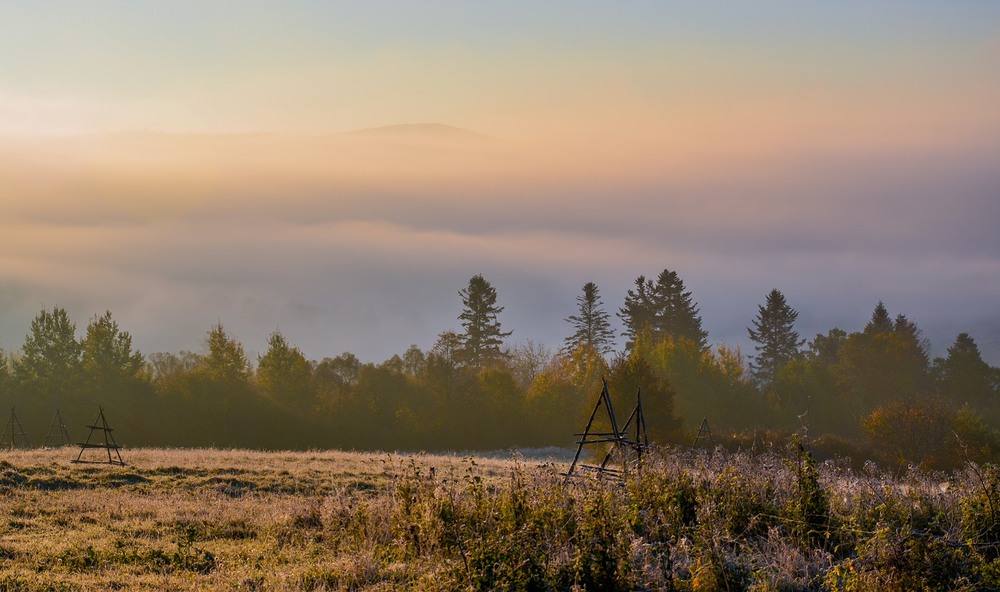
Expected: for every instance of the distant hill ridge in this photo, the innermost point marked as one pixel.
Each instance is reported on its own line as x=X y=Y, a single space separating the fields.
x=415 y=131
x=439 y=131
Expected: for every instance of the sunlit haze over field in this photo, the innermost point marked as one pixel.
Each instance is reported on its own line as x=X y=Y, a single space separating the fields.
x=339 y=170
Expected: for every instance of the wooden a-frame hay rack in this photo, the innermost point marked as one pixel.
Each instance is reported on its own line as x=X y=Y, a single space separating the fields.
x=109 y=444
x=621 y=446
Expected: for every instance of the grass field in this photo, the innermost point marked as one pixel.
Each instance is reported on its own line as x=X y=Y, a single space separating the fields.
x=244 y=520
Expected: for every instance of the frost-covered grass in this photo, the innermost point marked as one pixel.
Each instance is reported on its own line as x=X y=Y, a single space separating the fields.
x=246 y=520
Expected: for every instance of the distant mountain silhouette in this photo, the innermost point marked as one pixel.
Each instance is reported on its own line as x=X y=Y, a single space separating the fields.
x=407 y=135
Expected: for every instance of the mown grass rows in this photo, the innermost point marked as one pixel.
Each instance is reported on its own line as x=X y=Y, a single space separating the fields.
x=683 y=521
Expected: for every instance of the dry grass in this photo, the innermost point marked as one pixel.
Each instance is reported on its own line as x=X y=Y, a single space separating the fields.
x=322 y=520
x=203 y=519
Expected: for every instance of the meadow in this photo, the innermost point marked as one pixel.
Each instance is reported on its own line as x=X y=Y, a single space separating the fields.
x=204 y=519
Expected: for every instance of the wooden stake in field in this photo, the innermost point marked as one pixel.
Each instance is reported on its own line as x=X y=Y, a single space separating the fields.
x=109 y=444
x=58 y=435
x=704 y=438
x=13 y=431
x=628 y=450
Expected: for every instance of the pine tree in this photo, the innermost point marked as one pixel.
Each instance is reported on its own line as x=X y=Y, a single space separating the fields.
x=639 y=312
x=886 y=361
x=913 y=338
x=777 y=342
x=677 y=314
x=664 y=309
x=592 y=328
x=482 y=338
x=881 y=322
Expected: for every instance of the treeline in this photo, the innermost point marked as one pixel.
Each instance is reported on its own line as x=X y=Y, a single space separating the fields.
x=873 y=393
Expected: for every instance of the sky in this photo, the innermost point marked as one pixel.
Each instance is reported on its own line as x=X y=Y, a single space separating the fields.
x=186 y=163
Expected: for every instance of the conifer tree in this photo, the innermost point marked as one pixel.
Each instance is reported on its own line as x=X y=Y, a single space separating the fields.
x=913 y=339
x=677 y=314
x=886 y=361
x=482 y=339
x=776 y=341
x=963 y=376
x=592 y=328
x=880 y=322
x=664 y=309
x=639 y=312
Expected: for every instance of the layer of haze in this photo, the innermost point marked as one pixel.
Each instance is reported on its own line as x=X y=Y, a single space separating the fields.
x=181 y=164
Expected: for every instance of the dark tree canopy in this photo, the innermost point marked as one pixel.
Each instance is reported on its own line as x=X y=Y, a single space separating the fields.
x=872 y=390
x=775 y=339
x=627 y=375
x=880 y=322
x=482 y=339
x=963 y=377
x=591 y=326
x=664 y=309
x=888 y=360
x=826 y=348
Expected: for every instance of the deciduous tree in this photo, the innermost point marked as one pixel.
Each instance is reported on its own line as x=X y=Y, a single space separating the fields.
x=49 y=365
x=630 y=373
x=6 y=377
x=284 y=373
x=226 y=360
x=414 y=361
x=826 y=348
x=109 y=364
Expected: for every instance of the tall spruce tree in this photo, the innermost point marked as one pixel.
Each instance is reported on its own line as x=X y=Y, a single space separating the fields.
x=880 y=322
x=677 y=314
x=591 y=327
x=664 y=309
x=776 y=341
x=482 y=339
x=639 y=312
